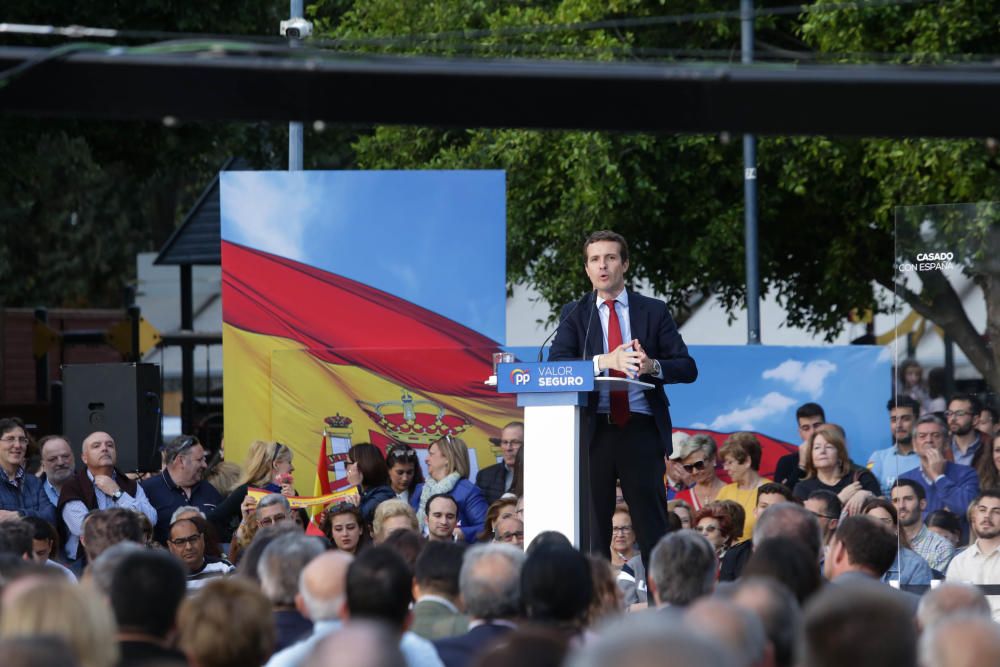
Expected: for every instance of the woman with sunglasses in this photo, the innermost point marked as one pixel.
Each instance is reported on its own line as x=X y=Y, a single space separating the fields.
x=697 y=456
x=404 y=470
x=716 y=525
x=448 y=468
x=366 y=469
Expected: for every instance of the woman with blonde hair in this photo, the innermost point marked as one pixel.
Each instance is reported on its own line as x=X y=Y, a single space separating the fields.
x=74 y=613
x=269 y=467
x=448 y=472
x=740 y=454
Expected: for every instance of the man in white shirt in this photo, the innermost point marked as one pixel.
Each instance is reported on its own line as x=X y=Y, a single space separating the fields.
x=980 y=563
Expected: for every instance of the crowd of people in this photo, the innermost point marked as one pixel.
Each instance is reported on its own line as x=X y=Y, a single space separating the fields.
x=828 y=563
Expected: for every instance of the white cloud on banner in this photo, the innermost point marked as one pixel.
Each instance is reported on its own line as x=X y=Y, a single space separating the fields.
x=806 y=378
x=745 y=419
x=268 y=213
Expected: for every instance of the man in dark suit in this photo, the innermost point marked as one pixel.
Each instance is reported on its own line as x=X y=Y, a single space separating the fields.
x=490 y=583
x=495 y=480
x=626 y=433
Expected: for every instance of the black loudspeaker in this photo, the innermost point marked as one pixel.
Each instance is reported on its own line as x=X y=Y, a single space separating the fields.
x=120 y=399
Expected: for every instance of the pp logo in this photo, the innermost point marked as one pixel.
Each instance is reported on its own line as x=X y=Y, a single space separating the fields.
x=519 y=377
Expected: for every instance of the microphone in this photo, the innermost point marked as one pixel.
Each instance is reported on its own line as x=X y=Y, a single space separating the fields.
x=576 y=305
x=593 y=297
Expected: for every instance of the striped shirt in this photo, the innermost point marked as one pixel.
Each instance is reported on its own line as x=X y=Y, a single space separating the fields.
x=211 y=569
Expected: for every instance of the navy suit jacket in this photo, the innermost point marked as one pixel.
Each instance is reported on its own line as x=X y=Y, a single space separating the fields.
x=462 y=651
x=653 y=326
x=491 y=480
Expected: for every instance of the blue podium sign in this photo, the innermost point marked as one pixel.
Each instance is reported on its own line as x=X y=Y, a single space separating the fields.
x=550 y=376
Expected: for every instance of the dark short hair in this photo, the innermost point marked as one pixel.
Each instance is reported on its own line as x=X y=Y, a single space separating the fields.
x=438 y=565
x=975 y=405
x=371 y=464
x=427 y=507
x=904 y=401
x=788 y=561
x=917 y=487
x=146 y=589
x=830 y=499
x=810 y=410
x=178 y=446
x=556 y=584
x=944 y=519
x=985 y=493
x=407 y=543
x=607 y=235
x=775 y=487
x=868 y=542
x=8 y=424
x=15 y=538
x=378 y=586
x=993 y=412
x=103 y=528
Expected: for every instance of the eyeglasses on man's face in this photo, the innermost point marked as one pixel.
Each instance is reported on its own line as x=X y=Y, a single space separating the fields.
x=691 y=467
x=12 y=439
x=624 y=530
x=270 y=520
x=182 y=541
x=510 y=536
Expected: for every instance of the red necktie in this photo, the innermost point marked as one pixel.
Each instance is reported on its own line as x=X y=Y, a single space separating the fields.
x=619 y=399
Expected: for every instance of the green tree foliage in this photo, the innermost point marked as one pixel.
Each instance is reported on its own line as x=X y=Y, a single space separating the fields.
x=827 y=205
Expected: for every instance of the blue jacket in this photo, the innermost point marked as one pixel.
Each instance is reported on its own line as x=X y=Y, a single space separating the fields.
x=471 y=507
x=954 y=491
x=30 y=499
x=372 y=498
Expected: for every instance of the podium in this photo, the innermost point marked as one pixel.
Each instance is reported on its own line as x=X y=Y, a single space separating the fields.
x=555 y=468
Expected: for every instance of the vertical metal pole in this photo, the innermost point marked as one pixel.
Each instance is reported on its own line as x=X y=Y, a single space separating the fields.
x=187 y=350
x=294 y=129
x=750 y=191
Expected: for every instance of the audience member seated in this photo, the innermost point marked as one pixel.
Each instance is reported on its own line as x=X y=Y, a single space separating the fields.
x=827 y=508
x=951 y=598
x=502 y=508
x=829 y=467
x=105 y=528
x=682 y=569
x=379 y=589
x=366 y=469
x=226 y=623
x=46 y=608
x=623 y=544
x=344 y=527
x=886 y=464
x=697 y=455
x=268 y=467
x=644 y=640
x=21 y=494
x=372 y=645
x=180 y=483
x=769 y=494
x=98 y=485
x=734 y=627
x=16 y=539
x=556 y=588
x=29 y=652
x=187 y=542
x=101 y=571
x=909 y=569
x=448 y=467
x=947 y=485
x=497 y=479
x=510 y=531
x=436 y=613
x=408 y=544
x=146 y=590
x=57 y=465
x=777 y=609
x=442 y=519
x=988 y=465
x=910 y=502
x=390 y=516
x=979 y=563
x=404 y=470
x=788 y=561
x=607 y=600
x=45 y=544
x=946 y=524
x=278 y=570
x=683 y=511
x=960 y=640
x=791 y=468
x=321 y=590
x=856 y=624
x=490 y=585
x=863 y=549
x=792 y=521
x=272 y=510
x=527 y=646
x=715 y=524
x=740 y=456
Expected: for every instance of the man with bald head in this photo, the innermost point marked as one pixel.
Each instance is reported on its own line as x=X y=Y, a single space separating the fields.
x=734 y=627
x=961 y=641
x=322 y=587
x=99 y=485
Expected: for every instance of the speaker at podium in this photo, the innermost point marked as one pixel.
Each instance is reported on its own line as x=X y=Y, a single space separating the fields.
x=120 y=399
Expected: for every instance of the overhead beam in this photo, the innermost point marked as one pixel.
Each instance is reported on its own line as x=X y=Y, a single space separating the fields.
x=858 y=100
